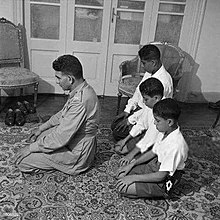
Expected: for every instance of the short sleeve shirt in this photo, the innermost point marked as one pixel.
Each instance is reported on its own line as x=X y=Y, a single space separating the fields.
x=172 y=151
x=165 y=79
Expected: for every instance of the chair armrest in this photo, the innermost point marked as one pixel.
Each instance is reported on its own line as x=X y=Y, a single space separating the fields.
x=130 y=67
x=124 y=77
x=123 y=64
x=124 y=68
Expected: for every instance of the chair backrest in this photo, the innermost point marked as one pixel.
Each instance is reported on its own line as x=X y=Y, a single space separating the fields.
x=172 y=58
x=130 y=67
x=11 y=46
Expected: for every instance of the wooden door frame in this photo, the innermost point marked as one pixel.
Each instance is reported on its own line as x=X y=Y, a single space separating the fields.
x=73 y=46
x=18 y=12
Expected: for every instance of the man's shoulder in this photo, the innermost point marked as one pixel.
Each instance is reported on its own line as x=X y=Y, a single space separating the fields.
x=86 y=94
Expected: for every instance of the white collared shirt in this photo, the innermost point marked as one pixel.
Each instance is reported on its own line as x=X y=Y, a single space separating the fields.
x=145 y=122
x=172 y=151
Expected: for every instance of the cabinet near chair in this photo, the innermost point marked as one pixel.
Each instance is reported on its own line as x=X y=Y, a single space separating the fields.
x=13 y=75
x=131 y=71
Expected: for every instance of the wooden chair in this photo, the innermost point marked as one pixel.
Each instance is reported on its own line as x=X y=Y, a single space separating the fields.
x=13 y=75
x=131 y=71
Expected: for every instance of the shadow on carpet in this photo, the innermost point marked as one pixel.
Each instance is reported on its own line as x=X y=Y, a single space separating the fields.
x=93 y=196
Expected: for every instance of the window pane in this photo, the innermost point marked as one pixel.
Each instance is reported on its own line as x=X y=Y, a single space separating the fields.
x=90 y=2
x=174 y=0
x=168 y=28
x=47 y=1
x=128 y=27
x=88 y=24
x=45 y=21
x=138 y=5
x=171 y=8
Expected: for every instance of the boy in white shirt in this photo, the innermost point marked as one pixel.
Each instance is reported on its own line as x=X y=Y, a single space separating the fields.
x=152 y=92
x=157 y=171
x=150 y=59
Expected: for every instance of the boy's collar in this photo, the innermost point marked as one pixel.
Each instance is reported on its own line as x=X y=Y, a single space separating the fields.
x=173 y=132
x=158 y=71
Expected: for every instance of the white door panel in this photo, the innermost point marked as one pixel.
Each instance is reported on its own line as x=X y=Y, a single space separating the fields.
x=127 y=22
x=46 y=28
x=87 y=38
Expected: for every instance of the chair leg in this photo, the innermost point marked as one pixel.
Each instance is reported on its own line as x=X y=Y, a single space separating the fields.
x=119 y=102
x=216 y=120
x=21 y=92
x=35 y=94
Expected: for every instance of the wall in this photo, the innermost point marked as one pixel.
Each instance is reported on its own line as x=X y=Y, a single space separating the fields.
x=205 y=85
x=6 y=9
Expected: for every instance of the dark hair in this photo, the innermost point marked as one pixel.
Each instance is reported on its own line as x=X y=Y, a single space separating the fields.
x=167 y=108
x=151 y=87
x=68 y=64
x=149 y=52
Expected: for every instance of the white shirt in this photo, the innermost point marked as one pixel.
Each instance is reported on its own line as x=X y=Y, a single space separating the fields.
x=145 y=122
x=142 y=122
x=172 y=151
x=166 y=80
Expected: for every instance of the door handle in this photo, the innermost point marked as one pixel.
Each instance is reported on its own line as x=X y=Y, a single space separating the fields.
x=114 y=14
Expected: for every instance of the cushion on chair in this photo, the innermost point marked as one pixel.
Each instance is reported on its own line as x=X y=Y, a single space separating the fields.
x=16 y=76
x=128 y=85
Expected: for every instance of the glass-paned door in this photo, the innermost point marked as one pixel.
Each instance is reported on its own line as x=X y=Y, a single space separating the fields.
x=87 y=38
x=102 y=34
x=78 y=27
x=88 y=20
x=45 y=22
x=45 y=19
x=169 y=21
x=127 y=23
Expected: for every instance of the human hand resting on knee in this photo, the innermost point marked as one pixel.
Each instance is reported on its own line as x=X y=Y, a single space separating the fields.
x=122 y=115
x=33 y=136
x=130 y=157
x=123 y=183
x=123 y=171
x=120 y=146
x=126 y=159
x=24 y=152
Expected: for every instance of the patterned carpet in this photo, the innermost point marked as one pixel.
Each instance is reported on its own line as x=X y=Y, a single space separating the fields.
x=92 y=195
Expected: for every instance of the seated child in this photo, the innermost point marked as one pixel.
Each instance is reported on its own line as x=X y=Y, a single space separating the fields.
x=158 y=170
x=152 y=64
x=152 y=92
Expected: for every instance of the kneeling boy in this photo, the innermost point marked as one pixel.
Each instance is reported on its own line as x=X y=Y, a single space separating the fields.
x=144 y=132
x=155 y=172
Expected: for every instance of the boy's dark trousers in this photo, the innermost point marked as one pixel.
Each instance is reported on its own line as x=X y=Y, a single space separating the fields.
x=153 y=190
x=121 y=133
